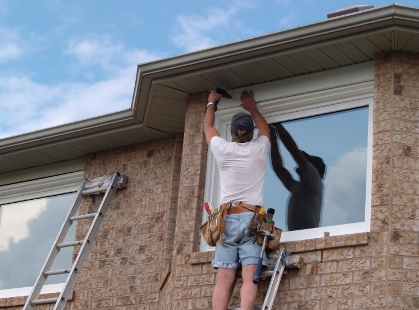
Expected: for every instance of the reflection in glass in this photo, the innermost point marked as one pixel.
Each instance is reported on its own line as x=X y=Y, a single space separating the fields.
x=310 y=196
x=27 y=231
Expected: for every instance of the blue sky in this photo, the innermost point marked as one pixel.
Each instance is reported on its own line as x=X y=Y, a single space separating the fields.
x=62 y=61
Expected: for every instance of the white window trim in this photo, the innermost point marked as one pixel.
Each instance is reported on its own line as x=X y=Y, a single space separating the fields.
x=281 y=104
x=45 y=187
x=33 y=189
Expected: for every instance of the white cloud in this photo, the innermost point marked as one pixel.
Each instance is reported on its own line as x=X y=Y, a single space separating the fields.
x=15 y=219
x=344 y=198
x=196 y=32
x=30 y=105
x=96 y=51
x=10 y=45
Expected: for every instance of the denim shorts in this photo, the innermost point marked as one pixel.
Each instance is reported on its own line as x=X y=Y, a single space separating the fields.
x=240 y=247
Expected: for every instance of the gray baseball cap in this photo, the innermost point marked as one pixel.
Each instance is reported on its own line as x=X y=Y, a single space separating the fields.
x=241 y=121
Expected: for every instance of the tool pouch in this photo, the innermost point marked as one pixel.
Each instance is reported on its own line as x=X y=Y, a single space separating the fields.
x=271 y=244
x=257 y=221
x=213 y=229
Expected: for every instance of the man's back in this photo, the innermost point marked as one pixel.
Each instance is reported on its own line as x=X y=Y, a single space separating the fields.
x=242 y=168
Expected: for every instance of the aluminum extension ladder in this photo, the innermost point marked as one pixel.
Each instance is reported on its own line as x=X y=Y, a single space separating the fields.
x=106 y=185
x=276 y=270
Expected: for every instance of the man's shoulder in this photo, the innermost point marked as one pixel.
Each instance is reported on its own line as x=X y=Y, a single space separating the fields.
x=264 y=140
x=217 y=140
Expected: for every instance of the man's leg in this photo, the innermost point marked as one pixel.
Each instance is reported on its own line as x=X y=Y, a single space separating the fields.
x=220 y=297
x=249 y=289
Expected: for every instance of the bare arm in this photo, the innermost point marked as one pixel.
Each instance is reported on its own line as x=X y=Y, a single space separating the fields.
x=249 y=104
x=209 y=119
x=277 y=165
x=291 y=146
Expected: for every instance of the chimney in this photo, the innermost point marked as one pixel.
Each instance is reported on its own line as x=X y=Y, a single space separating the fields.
x=350 y=9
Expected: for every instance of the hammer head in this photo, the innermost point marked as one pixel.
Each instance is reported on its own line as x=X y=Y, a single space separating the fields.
x=223 y=93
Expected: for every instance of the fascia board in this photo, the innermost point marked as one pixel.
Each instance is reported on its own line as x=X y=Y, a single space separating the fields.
x=332 y=28
x=317 y=33
x=68 y=131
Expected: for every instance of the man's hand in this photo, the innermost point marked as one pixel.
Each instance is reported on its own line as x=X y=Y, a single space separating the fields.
x=213 y=97
x=248 y=102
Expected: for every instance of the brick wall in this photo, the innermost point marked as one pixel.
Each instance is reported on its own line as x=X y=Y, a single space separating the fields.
x=146 y=255
x=396 y=175
x=134 y=246
x=377 y=270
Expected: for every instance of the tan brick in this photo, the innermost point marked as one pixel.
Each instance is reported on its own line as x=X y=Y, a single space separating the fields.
x=353 y=290
x=338 y=254
x=201 y=280
x=305 y=305
x=354 y=264
x=395 y=261
x=321 y=268
x=371 y=250
x=401 y=275
x=367 y=302
x=336 y=304
x=404 y=249
x=371 y=275
x=336 y=279
x=378 y=262
x=378 y=288
x=322 y=292
x=411 y=289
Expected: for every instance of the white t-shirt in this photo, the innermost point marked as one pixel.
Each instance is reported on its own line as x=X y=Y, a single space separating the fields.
x=242 y=169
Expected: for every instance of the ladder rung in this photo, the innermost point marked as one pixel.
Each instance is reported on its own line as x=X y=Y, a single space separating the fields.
x=55 y=272
x=82 y=217
x=93 y=191
x=44 y=301
x=67 y=244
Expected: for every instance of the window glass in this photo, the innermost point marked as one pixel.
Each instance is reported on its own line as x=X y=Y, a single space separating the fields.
x=339 y=140
x=27 y=231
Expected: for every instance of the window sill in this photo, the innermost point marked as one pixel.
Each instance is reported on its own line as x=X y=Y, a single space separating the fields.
x=17 y=297
x=327 y=242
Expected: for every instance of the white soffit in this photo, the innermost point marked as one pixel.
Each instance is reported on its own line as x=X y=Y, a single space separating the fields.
x=162 y=87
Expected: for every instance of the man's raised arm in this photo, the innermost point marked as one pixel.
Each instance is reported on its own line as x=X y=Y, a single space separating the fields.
x=209 y=119
x=291 y=146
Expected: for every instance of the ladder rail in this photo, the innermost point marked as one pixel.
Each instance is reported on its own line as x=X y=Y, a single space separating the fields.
x=87 y=187
x=39 y=284
x=275 y=281
x=87 y=245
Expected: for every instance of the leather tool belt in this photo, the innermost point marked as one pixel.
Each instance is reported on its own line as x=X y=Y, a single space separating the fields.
x=240 y=207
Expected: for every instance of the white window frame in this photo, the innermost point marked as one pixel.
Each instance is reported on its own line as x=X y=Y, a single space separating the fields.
x=40 y=188
x=316 y=94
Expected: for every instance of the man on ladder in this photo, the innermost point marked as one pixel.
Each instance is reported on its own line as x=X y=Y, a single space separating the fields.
x=242 y=167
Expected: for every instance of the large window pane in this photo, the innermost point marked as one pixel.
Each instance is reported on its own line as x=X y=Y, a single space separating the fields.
x=27 y=231
x=340 y=140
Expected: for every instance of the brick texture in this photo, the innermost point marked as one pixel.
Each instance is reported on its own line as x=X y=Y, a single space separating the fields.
x=146 y=254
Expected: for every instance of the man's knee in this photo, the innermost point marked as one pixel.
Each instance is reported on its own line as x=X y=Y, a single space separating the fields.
x=225 y=277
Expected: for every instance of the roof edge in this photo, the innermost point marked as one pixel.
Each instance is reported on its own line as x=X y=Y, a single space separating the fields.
x=67 y=131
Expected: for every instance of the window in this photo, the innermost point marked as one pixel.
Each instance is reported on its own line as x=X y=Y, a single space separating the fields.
x=28 y=229
x=329 y=117
x=27 y=232
x=340 y=139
